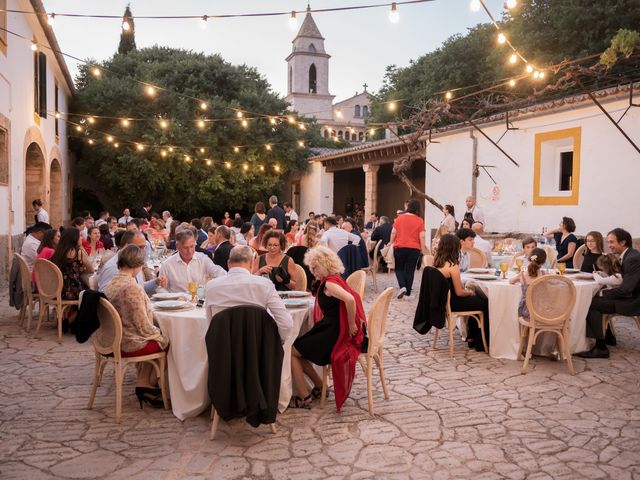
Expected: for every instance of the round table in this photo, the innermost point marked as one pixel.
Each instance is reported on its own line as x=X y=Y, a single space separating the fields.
x=188 y=364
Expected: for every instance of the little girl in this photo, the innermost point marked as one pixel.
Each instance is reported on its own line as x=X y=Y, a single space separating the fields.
x=537 y=260
x=610 y=274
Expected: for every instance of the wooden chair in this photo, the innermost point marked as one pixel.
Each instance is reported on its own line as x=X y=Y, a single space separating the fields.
x=427 y=260
x=357 y=281
x=301 y=278
x=552 y=255
x=29 y=297
x=477 y=258
x=376 y=329
x=106 y=342
x=374 y=264
x=50 y=283
x=476 y=315
x=578 y=257
x=550 y=300
x=607 y=321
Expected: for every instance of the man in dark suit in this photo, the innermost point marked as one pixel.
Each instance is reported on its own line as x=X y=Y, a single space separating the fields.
x=145 y=211
x=381 y=232
x=276 y=212
x=622 y=300
x=372 y=223
x=221 y=255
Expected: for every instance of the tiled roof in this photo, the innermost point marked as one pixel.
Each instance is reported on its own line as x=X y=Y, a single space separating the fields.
x=309 y=28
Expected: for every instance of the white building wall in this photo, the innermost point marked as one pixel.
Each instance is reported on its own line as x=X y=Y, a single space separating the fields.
x=609 y=172
x=316 y=187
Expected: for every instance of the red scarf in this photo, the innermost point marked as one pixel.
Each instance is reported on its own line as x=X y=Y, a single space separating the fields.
x=346 y=351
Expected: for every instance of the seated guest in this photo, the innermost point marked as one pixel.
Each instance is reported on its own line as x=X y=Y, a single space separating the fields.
x=441 y=230
x=110 y=267
x=335 y=238
x=102 y=218
x=139 y=335
x=257 y=243
x=240 y=287
x=223 y=248
x=381 y=233
x=622 y=300
x=275 y=264
x=201 y=234
x=309 y=238
x=291 y=232
x=158 y=230
x=210 y=244
x=31 y=243
x=92 y=244
x=47 y=247
x=188 y=265
x=244 y=236
x=467 y=237
x=593 y=250
x=273 y=223
x=609 y=272
x=528 y=244
x=465 y=223
x=480 y=243
x=105 y=236
x=373 y=222
x=333 y=337
x=447 y=261
x=566 y=241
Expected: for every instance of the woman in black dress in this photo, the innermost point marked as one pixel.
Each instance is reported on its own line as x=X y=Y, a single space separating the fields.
x=276 y=264
x=317 y=344
x=566 y=241
x=594 y=248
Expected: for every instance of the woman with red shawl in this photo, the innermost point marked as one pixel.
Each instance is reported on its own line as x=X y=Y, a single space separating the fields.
x=337 y=336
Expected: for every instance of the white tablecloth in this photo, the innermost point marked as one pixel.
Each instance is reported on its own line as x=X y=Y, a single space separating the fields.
x=503 y=318
x=188 y=364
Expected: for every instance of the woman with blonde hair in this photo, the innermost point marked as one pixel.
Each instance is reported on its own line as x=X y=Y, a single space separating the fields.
x=309 y=238
x=337 y=335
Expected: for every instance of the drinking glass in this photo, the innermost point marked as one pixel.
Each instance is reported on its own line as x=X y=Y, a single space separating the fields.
x=193 y=290
x=503 y=268
x=200 y=293
x=519 y=263
x=562 y=267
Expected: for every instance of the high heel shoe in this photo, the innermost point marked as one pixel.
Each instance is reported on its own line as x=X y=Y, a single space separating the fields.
x=150 y=396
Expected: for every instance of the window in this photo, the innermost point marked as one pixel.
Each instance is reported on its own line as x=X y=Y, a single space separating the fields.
x=354 y=137
x=4 y=157
x=361 y=136
x=365 y=111
x=326 y=134
x=3 y=26
x=56 y=110
x=312 y=48
x=339 y=133
x=40 y=84
x=313 y=85
x=557 y=167
x=357 y=111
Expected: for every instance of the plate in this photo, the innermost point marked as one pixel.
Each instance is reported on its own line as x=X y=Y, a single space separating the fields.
x=295 y=303
x=571 y=271
x=169 y=296
x=480 y=270
x=584 y=276
x=483 y=276
x=173 y=305
x=294 y=294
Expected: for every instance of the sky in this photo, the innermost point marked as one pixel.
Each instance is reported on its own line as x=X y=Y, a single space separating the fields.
x=361 y=43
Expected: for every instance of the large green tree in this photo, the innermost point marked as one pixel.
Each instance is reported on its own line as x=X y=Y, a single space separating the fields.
x=127 y=176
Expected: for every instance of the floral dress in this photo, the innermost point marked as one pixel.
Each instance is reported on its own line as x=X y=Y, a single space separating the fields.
x=72 y=271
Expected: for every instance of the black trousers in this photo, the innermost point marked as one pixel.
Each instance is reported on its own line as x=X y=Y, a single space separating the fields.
x=598 y=306
x=406 y=260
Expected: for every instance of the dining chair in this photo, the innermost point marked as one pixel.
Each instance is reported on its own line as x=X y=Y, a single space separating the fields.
x=477 y=258
x=550 y=300
x=29 y=297
x=50 y=283
x=607 y=321
x=578 y=257
x=357 y=281
x=376 y=330
x=106 y=343
x=476 y=315
x=373 y=266
x=301 y=278
x=552 y=255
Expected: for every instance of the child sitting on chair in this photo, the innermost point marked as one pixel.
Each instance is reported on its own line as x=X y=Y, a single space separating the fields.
x=537 y=260
x=610 y=272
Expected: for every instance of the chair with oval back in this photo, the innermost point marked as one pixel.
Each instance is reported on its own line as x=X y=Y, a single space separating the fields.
x=373 y=265
x=106 y=343
x=29 y=296
x=550 y=300
x=301 y=278
x=357 y=281
x=552 y=255
x=578 y=257
x=477 y=258
x=50 y=283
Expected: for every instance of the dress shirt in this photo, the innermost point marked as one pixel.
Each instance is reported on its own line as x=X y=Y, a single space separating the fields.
x=200 y=269
x=336 y=238
x=100 y=222
x=42 y=216
x=464 y=261
x=291 y=215
x=110 y=269
x=240 y=240
x=484 y=246
x=240 y=287
x=29 y=250
x=125 y=220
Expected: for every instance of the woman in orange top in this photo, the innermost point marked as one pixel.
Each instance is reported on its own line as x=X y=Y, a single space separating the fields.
x=407 y=238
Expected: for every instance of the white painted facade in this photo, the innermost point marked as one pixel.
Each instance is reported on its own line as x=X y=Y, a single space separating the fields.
x=316 y=188
x=609 y=169
x=38 y=160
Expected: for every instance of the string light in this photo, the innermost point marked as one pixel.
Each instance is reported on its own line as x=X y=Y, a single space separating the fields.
x=293 y=20
x=291 y=119
x=529 y=69
x=187 y=158
x=511 y=3
x=201 y=124
x=164 y=124
x=163 y=153
x=300 y=143
x=236 y=149
x=372 y=131
x=171 y=149
x=268 y=147
x=339 y=113
x=209 y=162
x=277 y=168
x=34 y=46
x=261 y=168
x=244 y=123
x=394 y=16
x=227 y=165
x=475 y=5
x=245 y=167
x=203 y=105
x=91 y=120
x=140 y=147
x=125 y=122
x=109 y=138
x=513 y=58
x=78 y=128
x=536 y=74
x=96 y=72
x=448 y=95
x=151 y=91
x=203 y=22
x=201 y=149
x=116 y=145
x=392 y=106
x=125 y=25
x=273 y=121
x=501 y=38
x=52 y=18
x=239 y=114
x=91 y=142
x=302 y=126
x=57 y=115
x=512 y=83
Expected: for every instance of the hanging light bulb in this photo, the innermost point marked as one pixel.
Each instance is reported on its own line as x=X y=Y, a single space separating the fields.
x=203 y=22
x=512 y=83
x=392 y=106
x=171 y=149
x=293 y=20
x=300 y=143
x=52 y=18
x=273 y=121
x=140 y=147
x=187 y=158
x=448 y=95
x=164 y=124
x=277 y=168
x=268 y=147
x=203 y=105
x=91 y=120
x=239 y=114
x=209 y=162
x=475 y=5
x=163 y=153
x=339 y=113
x=394 y=16
x=201 y=149
x=125 y=122
x=57 y=114
x=511 y=3
x=372 y=131
x=536 y=74
x=302 y=126
x=96 y=72
x=541 y=75
x=151 y=91
x=236 y=149
x=91 y=142
x=227 y=165
x=245 y=123
x=34 y=46
x=109 y=138
x=291 y=119
x=201 y=124
x=513 y=58
x=116 y=145
x=501 y=38
x=529 y=69
x=262 y=168
x=78 y=128
x=245 y=167
x=125 y=25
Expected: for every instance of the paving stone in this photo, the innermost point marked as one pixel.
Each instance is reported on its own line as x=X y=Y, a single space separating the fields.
x=89 y=465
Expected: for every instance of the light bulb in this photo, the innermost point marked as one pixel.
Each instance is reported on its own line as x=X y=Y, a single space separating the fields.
x=536 y=74
x=262 y=168
x=277 y=168
x=513 y=58
x=392 y=106
x=109 y=138
x=302 y=126
x=511 y=3
x=51 y=20
x=140 y=147
x=78 y=128
x=203 y=105
x=239 y=114
x=541 y=75
x=227 y=165
x=91 y=142
x=203 y=22
x=512 y=83
x=394 y=16
x=372 y=131
x=187 y=158
x=125 y=26
x=338 y=114
x=268 y=147
x=272 y=121
x=34 y=46
x=209 y=162
x=236 y=149
x=171 y=149
x=164 y=124
x=529 y=69
x=91 y=120
x=245 y=124
x=151 y=91
x=116 y=145
x=300 y=143
x=245 y=167
x=201 y=124
x=201 y=149
x=96 y=72
x=448 y=95
x=57 y=114
x=501 y=38
x=475 y=5
x=291 y=119
x=293 y=20
x=163 y=153
x=125 y=122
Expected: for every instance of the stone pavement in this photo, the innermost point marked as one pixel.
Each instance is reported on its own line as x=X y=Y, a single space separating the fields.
x=467 y=417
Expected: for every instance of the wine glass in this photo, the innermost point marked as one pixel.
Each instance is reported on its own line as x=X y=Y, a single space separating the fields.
x=519 y=263
x=503 y=268
x=562 y=267
x=193 y=290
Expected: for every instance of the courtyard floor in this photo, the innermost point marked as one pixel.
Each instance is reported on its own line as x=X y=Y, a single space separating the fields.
x=467 y=417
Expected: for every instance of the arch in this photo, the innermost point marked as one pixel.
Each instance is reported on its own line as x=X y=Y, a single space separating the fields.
x=354 y=137
x=361 y=136
x=365 y=111
x=340 y=134
x=55 y=196
x=356 y=112
x=34 y=181
x=313 y=82
x=312 y=48
x=326 y=133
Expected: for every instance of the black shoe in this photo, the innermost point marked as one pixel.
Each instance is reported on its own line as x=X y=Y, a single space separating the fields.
x=610 y=338
x=65 y=325
x=595 y=352
x=149 y=395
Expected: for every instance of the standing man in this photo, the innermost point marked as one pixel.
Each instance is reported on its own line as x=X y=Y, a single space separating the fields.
x=276 y=212
x=622 y=300
x=290 y=213
x=103 y=218
x=145 y=212
x=166 y=216
x=41 y=213
x=473 y=212
x=125 y=218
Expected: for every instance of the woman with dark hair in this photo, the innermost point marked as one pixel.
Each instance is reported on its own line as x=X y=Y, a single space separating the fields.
x=291 y=230
x=593 y=250
x=93 y=244
x=257 y=243
x=465 y=223
x=407 y=237
x=449 y=219
x=258 y=218
x=105 y=236
x=276 y=264
x=566 y=241
x=447 y=261
x=238 y=222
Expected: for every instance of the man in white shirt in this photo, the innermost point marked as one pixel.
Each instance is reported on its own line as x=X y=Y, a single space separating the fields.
x=102 y=218
x=336 y=238
x=473 y=212
x=480 y=243
x=110 y=268
x=31 y=243
x=166 y=216
x=240 y=287
x=125 y=218
x=41 y=213
x=188 y=265
x=289 y=212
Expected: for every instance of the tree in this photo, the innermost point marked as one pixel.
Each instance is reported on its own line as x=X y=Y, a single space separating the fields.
x=128 y=36
x=129 y=176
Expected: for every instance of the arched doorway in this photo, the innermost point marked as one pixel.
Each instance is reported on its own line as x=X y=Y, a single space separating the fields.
x=55 y=189
x=34 y=181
